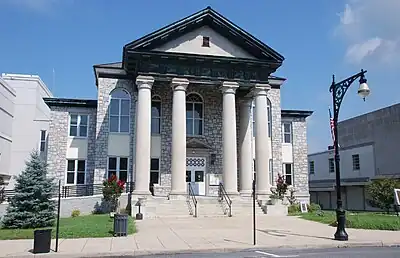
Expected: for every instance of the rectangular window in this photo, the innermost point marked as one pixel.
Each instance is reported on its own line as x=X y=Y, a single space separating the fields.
x=311 y=167
x=155 y=117
x=206 y=41
x=356 y=162
x=119 y=115
x=331 y=166
x=271 y=174
x=118 y=166
x=78 y=125
x=76 y=172
x=42 y=141
x=154 y=171
x=288 y=173
x=287 y=132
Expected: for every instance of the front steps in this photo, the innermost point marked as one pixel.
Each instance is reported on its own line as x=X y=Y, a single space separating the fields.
x=161 y=207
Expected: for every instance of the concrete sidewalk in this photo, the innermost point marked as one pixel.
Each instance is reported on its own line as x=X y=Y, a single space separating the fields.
x=217 y=234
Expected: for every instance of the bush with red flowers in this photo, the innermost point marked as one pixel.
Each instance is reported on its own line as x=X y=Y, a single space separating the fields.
x=112 y=190
x=281 y=188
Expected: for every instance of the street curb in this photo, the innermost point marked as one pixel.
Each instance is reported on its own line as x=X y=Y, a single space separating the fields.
x=210 y=250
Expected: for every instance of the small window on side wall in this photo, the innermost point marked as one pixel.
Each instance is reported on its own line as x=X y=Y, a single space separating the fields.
x=356 y=162
x=206 y=41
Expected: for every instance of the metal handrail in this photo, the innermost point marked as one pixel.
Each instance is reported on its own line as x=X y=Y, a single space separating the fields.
x=224 y=195
x=193 y=197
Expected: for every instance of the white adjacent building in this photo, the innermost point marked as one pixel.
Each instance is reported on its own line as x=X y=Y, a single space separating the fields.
x=368 y=145
x=25 y=120
x=7 y=99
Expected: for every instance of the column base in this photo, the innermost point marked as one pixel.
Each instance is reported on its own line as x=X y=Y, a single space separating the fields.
x=141 y=193
x=177 y=195
x=263 y=195
x=246 y=193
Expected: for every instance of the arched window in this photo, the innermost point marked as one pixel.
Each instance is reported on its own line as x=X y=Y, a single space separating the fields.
x=156 y=115
x=194 y=114
x=269 y=114
x=119 y=109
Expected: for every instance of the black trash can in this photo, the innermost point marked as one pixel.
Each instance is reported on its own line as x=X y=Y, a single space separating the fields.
x=41 y=241
x=120 y=224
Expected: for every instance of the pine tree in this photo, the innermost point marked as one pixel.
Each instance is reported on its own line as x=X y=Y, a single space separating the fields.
x=31 y=206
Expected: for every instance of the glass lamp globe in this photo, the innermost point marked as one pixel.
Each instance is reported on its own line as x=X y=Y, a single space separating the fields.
x=363 y=90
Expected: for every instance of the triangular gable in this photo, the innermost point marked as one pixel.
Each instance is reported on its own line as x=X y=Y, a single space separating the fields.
x=248 y=45
x=197 y=144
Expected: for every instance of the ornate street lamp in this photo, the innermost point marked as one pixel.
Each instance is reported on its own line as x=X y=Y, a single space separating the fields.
x=338 y=91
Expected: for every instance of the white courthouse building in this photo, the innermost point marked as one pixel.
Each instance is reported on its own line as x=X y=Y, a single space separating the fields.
x=193 y=102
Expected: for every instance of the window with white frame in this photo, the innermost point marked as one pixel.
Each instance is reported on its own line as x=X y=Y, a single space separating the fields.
x=270 y=168
x=118 y=166
x=271 y=174
x=269 y=114
x=331 y=166
x=119 y=109
x=156 y=115
x=42 y=147
x=287 y=132
x=356 y=161
x=76 y=172
x=78 y=125
x=311 y=167
x=194 y=114
x=154 y=171
x=288 y=173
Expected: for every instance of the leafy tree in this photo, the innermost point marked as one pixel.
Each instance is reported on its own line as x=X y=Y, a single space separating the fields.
x=381 y=192
x=31 y=206
x=112 y=190
x=281 y=188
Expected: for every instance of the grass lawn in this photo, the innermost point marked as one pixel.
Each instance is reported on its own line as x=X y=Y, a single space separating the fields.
x=361 y=220
x=78 y=227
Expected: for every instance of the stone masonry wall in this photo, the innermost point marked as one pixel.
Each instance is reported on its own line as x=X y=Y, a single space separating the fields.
x=105 y=86
x=300 y=161
x=274 y=95
x=58 y=141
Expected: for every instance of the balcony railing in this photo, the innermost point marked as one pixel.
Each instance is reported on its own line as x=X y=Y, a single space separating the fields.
x=68 y=191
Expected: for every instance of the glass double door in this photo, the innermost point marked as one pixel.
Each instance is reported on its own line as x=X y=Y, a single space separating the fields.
x=195 y=177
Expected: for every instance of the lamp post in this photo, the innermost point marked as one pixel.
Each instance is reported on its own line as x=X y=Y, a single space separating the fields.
x=338 y=91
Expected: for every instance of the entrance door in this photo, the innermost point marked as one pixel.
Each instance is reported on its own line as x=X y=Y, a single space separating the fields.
x=195 y=174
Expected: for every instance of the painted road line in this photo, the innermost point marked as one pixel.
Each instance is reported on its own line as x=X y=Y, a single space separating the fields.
x=276 y=255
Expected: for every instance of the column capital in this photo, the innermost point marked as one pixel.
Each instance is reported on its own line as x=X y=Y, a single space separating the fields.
x=179 y=84
x=229 y=87
x=261 y=89
x=144 y=82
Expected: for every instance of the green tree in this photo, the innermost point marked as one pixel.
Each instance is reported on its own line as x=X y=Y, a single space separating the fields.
x=381 y=192
x=31 y=206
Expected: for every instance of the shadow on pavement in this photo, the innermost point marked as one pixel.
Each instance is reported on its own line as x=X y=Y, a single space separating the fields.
x=284 y=233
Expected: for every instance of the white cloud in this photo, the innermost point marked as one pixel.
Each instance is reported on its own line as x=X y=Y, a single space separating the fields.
x=371 y=29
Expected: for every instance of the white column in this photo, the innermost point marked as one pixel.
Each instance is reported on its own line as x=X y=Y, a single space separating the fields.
x=245 y=159
x=178 y=166
x=229 y=137
x=143 y=135
x=262 y=141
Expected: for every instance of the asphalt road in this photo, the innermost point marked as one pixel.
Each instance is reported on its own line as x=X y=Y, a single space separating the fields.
x=365 y=252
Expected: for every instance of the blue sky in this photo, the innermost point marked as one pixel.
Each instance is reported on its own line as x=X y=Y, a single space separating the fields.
x=317 y=38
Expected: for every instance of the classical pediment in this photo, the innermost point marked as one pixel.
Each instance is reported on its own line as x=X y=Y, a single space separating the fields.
x=194 y=143
x=186 y=36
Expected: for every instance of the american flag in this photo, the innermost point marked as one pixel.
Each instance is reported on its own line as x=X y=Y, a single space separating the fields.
x=332 y=125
